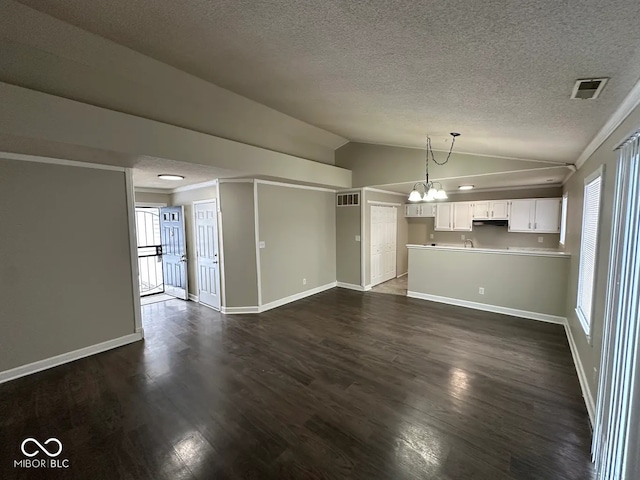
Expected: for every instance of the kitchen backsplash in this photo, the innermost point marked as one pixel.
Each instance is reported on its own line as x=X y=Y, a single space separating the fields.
x=482 y=236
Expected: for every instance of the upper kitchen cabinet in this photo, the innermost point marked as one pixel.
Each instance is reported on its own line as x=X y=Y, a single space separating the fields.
x=420 y=210
x=456 y=216
x=462 y=216
x=444 y=217
x=540 y=215
x=490 y=210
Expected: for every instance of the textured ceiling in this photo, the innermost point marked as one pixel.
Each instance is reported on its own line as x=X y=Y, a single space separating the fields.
x=389 y=71
x=503 y=181
x=147 y=169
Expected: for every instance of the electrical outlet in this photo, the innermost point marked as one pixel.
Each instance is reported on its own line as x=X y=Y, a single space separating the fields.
x=262 y=245
x=481 y=290
x=431 y=236
x=357 y=238
x=304 y=281
x=540 y=239
x=462 y=237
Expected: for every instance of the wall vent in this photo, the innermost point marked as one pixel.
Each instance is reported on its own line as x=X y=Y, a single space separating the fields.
x=348 y=199
x=588 y=88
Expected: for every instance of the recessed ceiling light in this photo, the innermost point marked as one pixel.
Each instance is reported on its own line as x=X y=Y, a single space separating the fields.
x=171 y=177
x=465 y=187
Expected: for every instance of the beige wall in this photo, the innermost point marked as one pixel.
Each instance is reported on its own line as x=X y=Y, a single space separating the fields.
x=382 y=165
x=348 y=253
x=589 y=352
x=65 y=260
x=402 y=237
x=459 y=274
x=239 y=244
x=186 y=200
x=421 y=229
x=298 y=227
x=150 y=197
x=42 y=53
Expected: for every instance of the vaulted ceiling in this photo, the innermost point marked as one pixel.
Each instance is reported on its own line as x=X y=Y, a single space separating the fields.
x=390 y=71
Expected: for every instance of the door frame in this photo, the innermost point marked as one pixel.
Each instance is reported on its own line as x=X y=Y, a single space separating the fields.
x=397 y=207
x=220 y=263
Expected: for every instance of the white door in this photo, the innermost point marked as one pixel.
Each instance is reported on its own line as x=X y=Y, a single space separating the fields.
x=383 y=243
x=548 y=215
x=207 y=253
x=521 y=215
x=174 y=251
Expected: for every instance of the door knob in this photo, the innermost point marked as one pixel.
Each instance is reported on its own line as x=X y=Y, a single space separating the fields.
x=183 y=258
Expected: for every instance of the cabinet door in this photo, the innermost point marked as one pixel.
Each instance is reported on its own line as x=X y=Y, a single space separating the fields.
x=481 y=210
x=462 y=216
x=443 y=216
x=547 y=216
x=521 y=215
x=499 y=210
x=428 y=210
x=412 y=210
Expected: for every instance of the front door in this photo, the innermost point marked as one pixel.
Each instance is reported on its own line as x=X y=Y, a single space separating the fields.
x=174 y=253
x=207 y=254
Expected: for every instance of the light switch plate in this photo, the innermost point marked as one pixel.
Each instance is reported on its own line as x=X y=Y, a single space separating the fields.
x=262 y=244
x=540 y=239
x=357 y=238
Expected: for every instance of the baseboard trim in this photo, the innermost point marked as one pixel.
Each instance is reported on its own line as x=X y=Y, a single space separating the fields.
x=239 y=310
x=542 y=317
x=350 y=286
x=367 y=287
x=194 y=298
x=402 y=274
x=297 y=296
x=582 y=377
x=63 y=358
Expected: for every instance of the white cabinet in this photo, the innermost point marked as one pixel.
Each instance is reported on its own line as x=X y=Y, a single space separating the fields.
x=462 y=216
x=541 y=215
x=547 y=217
x=521 y=215
x=481 y=210
x=419 y=210
x=499 y=210
x=490 y=210
x=444 y=217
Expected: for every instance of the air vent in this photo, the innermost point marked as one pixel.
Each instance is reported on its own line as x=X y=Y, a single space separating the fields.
x=588 y=88
x=348 y=199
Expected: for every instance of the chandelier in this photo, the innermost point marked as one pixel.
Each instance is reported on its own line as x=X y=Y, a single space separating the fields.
x=431 y=190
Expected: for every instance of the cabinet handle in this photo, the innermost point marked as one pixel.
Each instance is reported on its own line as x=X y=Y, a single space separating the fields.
x=535 y=226
x=491 y=213
x=529 y=225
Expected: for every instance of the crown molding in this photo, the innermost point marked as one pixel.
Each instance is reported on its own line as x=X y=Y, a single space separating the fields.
x=163 y=191
x=630 y=102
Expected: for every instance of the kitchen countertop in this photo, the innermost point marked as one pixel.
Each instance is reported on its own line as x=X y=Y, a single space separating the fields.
x=536 y=252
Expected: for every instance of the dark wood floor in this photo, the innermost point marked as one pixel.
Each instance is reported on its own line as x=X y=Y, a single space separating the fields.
x=339 y=385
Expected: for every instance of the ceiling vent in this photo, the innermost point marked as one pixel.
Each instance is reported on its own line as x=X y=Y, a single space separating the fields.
x=588 y=88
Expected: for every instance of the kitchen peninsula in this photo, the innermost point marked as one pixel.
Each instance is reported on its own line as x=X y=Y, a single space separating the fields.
x=523 y=282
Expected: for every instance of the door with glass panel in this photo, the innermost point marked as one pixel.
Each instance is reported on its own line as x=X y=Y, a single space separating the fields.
x=150 y=278
x=174 y=251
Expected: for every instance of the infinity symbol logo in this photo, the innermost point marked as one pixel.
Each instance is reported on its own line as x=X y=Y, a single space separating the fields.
x=33 y=440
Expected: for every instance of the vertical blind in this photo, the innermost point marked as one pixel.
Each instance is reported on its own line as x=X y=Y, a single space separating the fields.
x=588 y=250
x=616 y=437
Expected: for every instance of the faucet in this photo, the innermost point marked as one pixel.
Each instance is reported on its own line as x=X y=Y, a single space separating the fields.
x=468 y=240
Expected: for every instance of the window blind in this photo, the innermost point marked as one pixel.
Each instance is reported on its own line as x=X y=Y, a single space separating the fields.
x=588 y=251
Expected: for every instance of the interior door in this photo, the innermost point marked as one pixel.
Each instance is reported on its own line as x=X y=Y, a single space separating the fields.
x=383 y=243
x=174 y=251
x=207 y=254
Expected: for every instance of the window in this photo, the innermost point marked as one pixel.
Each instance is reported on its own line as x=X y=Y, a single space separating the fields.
x=563 y=219
x=588 y=249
